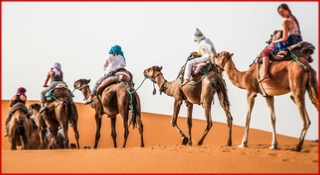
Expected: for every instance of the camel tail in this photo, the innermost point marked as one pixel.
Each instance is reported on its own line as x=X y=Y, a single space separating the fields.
x=312 y=88
x=133 y=111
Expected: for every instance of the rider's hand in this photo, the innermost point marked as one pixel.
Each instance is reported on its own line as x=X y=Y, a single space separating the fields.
x=45 y=85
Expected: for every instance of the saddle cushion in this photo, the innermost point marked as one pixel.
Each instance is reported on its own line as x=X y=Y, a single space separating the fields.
x=116 y=76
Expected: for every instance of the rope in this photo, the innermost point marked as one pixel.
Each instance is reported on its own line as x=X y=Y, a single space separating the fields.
x=296 y=59
x=128 y=89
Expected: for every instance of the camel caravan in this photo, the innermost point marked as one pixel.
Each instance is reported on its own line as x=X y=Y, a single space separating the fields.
x=114 y=95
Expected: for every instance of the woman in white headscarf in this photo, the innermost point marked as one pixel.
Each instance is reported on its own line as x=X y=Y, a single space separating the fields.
x=205 y=50
x=56 y=77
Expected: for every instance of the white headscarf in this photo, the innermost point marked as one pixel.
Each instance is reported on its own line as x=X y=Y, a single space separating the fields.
x=198 y=35
x=57 y=68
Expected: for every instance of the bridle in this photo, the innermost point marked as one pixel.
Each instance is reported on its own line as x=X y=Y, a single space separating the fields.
x=223 y=63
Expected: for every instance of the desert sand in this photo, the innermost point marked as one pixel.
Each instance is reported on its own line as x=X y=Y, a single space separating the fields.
x=163 y=152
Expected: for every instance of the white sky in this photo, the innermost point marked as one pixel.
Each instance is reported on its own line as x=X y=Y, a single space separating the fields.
x=79 y=35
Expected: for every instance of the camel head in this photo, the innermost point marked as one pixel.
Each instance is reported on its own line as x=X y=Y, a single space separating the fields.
x=79 y=84
x=34 y=106
x=220 y=58
x=152 y=72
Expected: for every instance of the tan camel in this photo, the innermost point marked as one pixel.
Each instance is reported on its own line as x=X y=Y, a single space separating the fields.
x=35 y=139
x=19 y=130
x=193 y=93
x=60 y=110
x=285 y=77
x=115 y=99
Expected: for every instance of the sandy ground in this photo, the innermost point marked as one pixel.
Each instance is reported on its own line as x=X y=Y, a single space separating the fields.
x=163 y=152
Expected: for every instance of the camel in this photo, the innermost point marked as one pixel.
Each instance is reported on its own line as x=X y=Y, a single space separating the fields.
x=285 y=77
x=19 y=130
x=60 y=110
x=115 y=99
x=35 y=143
x=198 y=91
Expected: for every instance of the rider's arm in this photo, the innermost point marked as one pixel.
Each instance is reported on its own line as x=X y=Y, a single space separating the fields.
x=285 y=27
x=11 y=101
x=46 y=80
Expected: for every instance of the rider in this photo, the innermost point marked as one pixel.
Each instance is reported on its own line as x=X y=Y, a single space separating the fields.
x=115 y=59
x=56 y=77
x=205 y=50
x=18 y=101
x=291 y=36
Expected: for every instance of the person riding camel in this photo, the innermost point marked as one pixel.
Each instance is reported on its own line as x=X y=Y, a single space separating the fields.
x=56 y=77
x=291 y=35
x=205 y=50
x=115 y=60
x=18 y=101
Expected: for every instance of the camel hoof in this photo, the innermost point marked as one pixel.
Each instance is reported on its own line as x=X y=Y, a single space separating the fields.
x=200 y=143
x=243 y=146
x=297 y=149
x=273 y=147
x=185 y=140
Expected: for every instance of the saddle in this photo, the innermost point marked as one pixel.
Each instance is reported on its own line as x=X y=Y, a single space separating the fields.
x=61 y=90
x=116 y=76
x=196 y=69
x=302 y=49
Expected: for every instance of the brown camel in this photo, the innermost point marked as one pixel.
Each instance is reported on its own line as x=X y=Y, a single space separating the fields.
x=115 y=99
x=35 y=139
x=19 y=130
x=193 y=93
x=285 y=77
x=60 y=110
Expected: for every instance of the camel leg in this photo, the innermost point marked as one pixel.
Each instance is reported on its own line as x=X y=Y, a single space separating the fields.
x=250 y=100
x=98 y=127
x=225 y=105
x=176 y=110
x=66 y=138
x=76 y=134
x=189 y=122
x=126 y=130
x=74 y=122
x=140 y=130
x=13 y=142
x=270 y=102
x=53 y=142
x=24 y=141
x=300 y=102
x=207 y=111
x=113 y=131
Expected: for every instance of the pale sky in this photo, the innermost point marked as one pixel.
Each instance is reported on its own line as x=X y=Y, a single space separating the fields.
x=79 y=35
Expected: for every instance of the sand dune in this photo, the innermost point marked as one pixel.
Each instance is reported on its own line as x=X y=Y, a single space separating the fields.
x=163 y=152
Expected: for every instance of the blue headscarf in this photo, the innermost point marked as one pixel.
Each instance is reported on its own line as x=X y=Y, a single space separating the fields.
x=116 y=49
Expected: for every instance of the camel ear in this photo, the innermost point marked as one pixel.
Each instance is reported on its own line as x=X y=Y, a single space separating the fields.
x=160 y=68
x=231 y=54
x=88 y=80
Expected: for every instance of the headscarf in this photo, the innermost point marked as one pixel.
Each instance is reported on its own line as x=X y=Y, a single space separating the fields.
x=116 y=49
x=57 y=68
x=198 y=35
x=21 y=90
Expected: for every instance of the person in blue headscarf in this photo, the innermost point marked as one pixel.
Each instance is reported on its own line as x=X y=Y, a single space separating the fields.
x=115 y=60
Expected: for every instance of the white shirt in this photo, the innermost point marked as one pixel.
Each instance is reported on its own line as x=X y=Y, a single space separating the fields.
x=113 y=62
x=207 y=47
